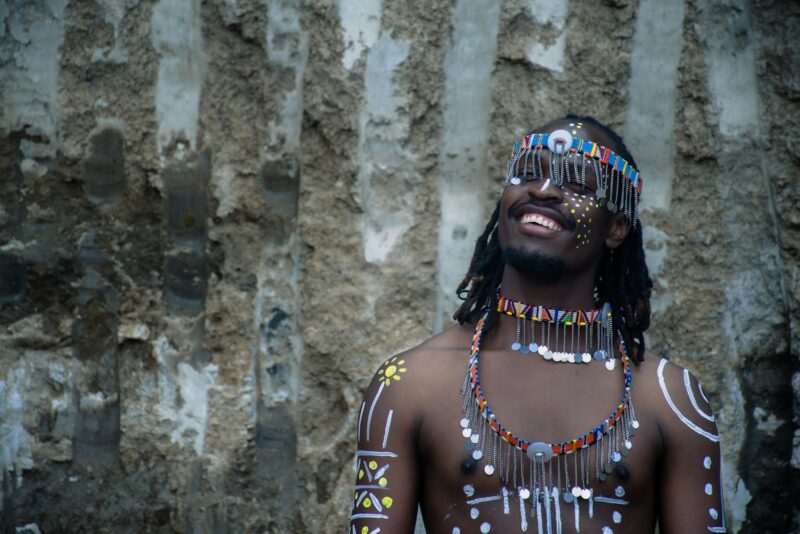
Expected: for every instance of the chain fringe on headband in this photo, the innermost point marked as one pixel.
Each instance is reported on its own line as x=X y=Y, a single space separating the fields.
x=619 y=185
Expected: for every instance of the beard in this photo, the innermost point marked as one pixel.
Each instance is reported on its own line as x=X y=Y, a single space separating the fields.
x=535 y=265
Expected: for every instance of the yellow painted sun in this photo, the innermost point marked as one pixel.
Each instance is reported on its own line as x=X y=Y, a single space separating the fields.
x=391 y=370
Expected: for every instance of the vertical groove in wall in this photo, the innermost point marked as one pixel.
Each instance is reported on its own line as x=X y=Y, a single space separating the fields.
x=652 y=88
x=278 y=313
x=649 y=124
x=462 y=164
x=94 y=337
x=176 y=35
x=31 y=39
x=385 y=165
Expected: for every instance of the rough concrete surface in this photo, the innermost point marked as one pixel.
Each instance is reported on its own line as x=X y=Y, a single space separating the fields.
x=218 y=217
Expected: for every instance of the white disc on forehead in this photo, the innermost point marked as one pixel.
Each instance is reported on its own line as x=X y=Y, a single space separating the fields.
x=559 y=142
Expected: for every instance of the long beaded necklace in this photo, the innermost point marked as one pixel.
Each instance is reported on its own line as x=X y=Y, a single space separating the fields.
x=527 y=466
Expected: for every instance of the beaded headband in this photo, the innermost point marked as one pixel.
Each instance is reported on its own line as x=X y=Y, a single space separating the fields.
x=618 y=183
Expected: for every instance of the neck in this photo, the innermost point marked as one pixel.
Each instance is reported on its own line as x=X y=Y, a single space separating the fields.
x=570 y=292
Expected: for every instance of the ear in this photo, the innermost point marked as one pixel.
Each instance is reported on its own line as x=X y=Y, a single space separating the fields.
x=618 y=231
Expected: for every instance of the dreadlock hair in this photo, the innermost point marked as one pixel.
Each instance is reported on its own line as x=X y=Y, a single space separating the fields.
x=622 y=278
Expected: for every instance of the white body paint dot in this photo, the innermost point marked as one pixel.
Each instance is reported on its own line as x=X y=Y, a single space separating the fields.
x=469 y=490
x=619 y=491
x=474 y=513
x=713 y=513
x=485 y=527
x=616 y=517
x=709 y=489
x=707 y=462
x=456 y=530
x=607 y=530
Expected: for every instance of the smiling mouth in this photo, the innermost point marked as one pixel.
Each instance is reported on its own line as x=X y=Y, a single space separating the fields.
x=540 y=220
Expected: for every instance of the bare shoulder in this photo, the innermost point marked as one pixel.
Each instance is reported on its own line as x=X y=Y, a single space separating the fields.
x=452 y=342
x=431 y=361
x=674 y=397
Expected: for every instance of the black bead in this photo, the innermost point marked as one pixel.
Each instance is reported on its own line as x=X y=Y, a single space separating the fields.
x=622 y=472
x=468 y=465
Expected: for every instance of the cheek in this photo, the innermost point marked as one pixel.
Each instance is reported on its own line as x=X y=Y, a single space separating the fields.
x=584 y=208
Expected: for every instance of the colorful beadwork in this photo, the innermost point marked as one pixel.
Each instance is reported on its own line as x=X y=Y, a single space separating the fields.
x=515 y=308
x=574 y=333
x=516 y=458
x=566 y=153
x=564 y=447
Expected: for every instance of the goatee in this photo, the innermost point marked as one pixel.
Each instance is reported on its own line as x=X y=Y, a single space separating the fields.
x=538 y=266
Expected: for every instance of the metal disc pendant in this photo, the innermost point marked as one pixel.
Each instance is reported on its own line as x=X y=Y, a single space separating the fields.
x=516 y=345
x=616 y=456
x=610 y=364
x=542 y=349
x=602 y=476
x=586 y=493
x=474 y=438
x=477 y=454
x=464 y=423
x=608 y=468
x=524 y=493
x=576 y=491
x=533 y=347
x=599 y=355
x=489 y=470
x=539 y=451
x=586 y=357
x=515 y=180
x=612 y=206
x=469 y=445
x=524 y=349
x=600 y=193
x=568 y=497
x=466 y=432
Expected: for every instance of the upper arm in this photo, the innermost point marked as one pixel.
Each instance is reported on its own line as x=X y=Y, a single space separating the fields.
x=690 y=487
x=385 y=494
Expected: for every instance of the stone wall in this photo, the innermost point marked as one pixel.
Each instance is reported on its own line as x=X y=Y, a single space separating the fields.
x=218 y=217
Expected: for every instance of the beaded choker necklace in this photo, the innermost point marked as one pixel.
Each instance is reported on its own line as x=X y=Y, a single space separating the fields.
x=527 y=466
x=574 y=337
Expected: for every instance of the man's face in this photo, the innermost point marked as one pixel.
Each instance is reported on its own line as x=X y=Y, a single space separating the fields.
x=566 y=226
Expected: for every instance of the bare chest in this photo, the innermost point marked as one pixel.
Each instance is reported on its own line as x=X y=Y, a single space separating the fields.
x=474 y=480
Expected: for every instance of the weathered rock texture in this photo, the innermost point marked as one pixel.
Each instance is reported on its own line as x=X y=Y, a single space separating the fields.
x=218 y=217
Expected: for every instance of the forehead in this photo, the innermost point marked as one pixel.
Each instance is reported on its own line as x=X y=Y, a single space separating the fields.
x=580 y=129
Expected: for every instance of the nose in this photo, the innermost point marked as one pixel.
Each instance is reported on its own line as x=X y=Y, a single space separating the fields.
x=545 y=190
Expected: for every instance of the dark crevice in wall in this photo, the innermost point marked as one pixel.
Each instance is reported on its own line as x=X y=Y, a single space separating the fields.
x=767 y=391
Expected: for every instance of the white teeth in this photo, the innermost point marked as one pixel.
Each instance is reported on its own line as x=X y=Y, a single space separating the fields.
x=540 y=220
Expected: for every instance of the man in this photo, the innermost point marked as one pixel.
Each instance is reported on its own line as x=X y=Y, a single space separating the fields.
x=542 y=412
